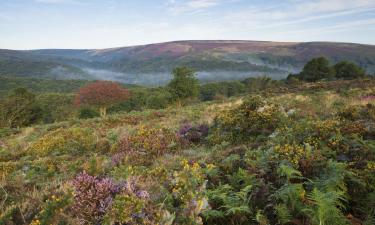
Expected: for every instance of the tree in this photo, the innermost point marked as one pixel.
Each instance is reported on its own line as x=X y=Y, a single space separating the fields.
x=317 y=69
x=19 y=109
x=348 y=70
x=184 y=85
x=102 y=94
x=209 y=91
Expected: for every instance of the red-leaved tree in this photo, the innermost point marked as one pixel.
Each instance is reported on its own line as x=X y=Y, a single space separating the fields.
x=102 y=94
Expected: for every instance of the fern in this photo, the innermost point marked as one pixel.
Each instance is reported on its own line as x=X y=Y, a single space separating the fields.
x=291 y=195
x=369 y=209
x=237 y=203
x=231 y=203
x=261 y=218
x=289 y=172
x=334 y=177
x=326 y=208
x=283 y=214
x=241 y=179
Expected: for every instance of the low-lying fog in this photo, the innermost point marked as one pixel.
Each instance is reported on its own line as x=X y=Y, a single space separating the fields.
x=157 y=79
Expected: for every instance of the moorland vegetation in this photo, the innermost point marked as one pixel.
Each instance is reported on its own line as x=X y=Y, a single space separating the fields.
x=257 y=151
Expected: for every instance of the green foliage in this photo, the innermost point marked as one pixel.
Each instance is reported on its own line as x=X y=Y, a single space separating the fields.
x=55 y=107
x=52 y=210
x=64 y=141
x=158 y=99
x=326 y=208
x=317 y=69
x=19 y=109
x=348 y=70
x=283 y=214
x=183 y=85
x=124 y=208
x=36 y=85
x=258 y=84
x=253 y=117
x=87 y=113
x=212 y=91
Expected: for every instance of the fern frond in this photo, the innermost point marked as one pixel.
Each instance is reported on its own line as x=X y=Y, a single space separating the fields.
x=289 y=172
x=326 y=209
x=283 y=213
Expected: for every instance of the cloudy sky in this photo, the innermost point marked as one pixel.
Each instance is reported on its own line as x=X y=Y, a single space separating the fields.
x=34 y=24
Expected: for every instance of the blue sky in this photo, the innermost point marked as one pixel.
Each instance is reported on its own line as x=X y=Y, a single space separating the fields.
x=34 y=24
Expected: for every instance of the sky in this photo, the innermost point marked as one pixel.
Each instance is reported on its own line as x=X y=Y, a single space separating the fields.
x=83 y=24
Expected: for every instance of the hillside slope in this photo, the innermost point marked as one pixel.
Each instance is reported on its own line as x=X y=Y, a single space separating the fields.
x=150 y=64
x=305 y=150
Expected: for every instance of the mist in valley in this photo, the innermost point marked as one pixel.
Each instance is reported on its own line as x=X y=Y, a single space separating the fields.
x=162 y=78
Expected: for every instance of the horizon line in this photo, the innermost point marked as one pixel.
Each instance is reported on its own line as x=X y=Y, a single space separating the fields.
x=192 y=40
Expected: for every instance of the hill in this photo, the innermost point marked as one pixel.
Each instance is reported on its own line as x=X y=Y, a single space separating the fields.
x=151 y=64
x=302 y=154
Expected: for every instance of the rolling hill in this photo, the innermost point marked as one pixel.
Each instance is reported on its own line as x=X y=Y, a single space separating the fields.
x=151 y=64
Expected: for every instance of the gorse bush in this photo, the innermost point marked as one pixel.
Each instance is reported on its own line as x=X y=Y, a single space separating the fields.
x=146 y=143
x=188 y=191
x=52 y=212
x=253 y=117
x=64 y=141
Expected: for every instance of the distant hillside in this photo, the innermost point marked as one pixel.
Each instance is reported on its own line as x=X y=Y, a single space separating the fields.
x=40 y=85
x=151 y=64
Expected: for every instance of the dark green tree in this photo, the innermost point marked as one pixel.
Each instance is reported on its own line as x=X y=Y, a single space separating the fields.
x=19 y=109
x=317 y=69
x=348 y=70
x=209 y=91
x=184 y=85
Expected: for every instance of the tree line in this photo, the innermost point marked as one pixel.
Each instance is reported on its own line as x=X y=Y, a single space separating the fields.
x=321 y=69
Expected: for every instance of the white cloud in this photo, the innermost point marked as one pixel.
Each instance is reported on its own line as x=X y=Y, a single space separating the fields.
x=187 y=6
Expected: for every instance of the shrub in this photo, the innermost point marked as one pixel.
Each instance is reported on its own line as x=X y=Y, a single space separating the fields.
x=87 y=113
x=188 y=190
x=64 y=141
x=92 y=197
x=192 y=134
x=126 y=209
x=52 y=210
x=19 y=109
x=147 y=142
x=252 y=118
x=131 y=206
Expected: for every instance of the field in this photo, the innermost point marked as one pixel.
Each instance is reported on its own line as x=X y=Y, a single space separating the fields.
x=297 y=154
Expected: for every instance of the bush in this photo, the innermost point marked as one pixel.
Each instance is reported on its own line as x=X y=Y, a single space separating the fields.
x=147 y=142
x=87 y=113
x=154 y=141
x=348 y=70
x=192 y=134
x=64 y=141
x=92 y=197
x=252 y=118
x=188 y=191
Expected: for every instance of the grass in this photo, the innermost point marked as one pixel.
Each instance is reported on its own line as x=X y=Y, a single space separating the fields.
x=197 y=183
